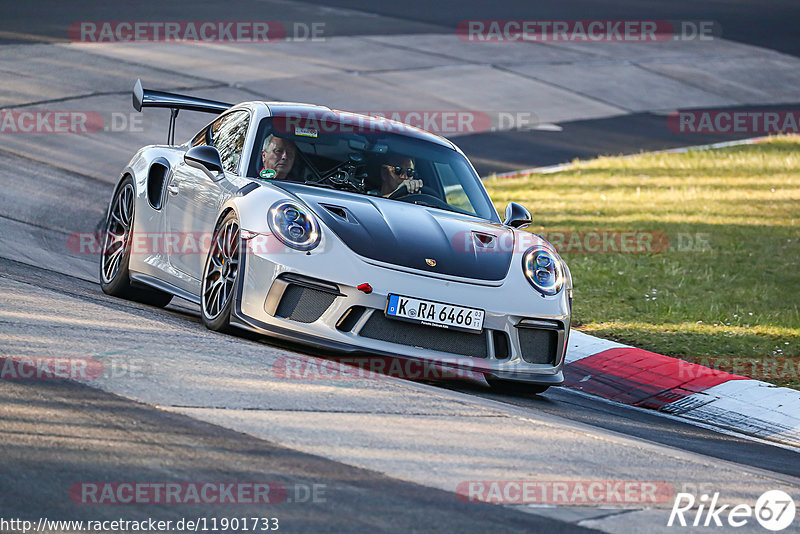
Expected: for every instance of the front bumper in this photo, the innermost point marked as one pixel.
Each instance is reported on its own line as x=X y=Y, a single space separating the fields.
x=312 y=298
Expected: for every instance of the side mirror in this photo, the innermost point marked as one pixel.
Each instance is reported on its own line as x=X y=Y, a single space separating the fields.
x=517 y=216
x=206 y=158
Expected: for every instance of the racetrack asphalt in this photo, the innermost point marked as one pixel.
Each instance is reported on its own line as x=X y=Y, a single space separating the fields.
x=740 y=20
x=57 y=434
x=605 y=121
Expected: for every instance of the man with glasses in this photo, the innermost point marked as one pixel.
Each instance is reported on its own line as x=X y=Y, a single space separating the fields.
x=396 y=173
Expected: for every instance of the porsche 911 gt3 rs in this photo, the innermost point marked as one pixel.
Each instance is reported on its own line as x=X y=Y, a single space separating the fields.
x=341 y=231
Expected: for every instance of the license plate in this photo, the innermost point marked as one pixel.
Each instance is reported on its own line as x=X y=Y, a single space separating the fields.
x=431 y=313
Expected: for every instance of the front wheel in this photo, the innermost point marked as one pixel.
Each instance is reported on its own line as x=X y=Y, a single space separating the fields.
x=511 y=387
x=220 y=274
x=116 y=253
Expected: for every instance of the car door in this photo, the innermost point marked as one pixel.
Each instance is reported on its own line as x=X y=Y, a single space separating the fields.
x=194 y=199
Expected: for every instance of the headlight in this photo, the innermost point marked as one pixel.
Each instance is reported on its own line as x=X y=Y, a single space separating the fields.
x=296 y=227
x=543 y=270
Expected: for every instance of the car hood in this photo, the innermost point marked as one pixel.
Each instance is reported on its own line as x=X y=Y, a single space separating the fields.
x=410 y=235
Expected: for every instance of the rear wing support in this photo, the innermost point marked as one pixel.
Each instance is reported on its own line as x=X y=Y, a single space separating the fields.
x=173 y=118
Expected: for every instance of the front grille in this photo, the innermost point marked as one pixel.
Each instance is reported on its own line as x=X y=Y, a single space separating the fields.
x=500 y=339
x=378 y=326
x=348 y=321
x=538 y=346
x=304 y=304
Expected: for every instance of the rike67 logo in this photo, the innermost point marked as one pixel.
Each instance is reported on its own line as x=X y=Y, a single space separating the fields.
x=774 y=510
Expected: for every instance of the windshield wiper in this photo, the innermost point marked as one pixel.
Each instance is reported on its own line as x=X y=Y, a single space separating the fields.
x=428 y=204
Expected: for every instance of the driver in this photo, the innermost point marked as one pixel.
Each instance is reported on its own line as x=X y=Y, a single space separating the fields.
x=277 y=155
x=398 y=171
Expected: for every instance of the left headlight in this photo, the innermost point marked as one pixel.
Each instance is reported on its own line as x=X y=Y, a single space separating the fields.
x=543 y=270
x=294 y=225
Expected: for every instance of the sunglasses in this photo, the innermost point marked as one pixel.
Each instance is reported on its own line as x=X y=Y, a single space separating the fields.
x=400 y=171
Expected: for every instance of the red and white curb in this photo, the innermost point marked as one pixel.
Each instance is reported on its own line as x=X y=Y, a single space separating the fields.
x=645 y=379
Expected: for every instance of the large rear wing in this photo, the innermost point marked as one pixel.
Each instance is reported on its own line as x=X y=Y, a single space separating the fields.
x=147 y=98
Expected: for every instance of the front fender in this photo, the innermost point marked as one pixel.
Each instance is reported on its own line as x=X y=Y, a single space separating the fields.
x=251 y=205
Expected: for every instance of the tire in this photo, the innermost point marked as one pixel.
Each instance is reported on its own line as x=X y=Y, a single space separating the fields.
x=511 y=387
x=115 y=255
x=220 y=274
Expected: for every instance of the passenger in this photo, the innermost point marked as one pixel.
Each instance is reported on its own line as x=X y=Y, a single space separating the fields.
x=398 y=171
x=278 y=156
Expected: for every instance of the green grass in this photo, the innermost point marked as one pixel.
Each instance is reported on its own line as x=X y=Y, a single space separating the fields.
x=730 y=298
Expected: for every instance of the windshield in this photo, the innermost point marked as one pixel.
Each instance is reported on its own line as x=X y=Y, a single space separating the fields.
x=369 y=161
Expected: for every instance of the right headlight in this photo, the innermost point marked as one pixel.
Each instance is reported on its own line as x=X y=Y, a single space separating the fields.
x=543 y=270
x=295 y=226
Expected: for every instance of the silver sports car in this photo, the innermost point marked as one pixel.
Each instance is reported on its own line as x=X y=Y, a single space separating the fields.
x=341 y=231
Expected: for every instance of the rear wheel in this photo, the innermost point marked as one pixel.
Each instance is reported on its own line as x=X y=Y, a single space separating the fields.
x=219 y=275
x=116 y=253
x=511 y=387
